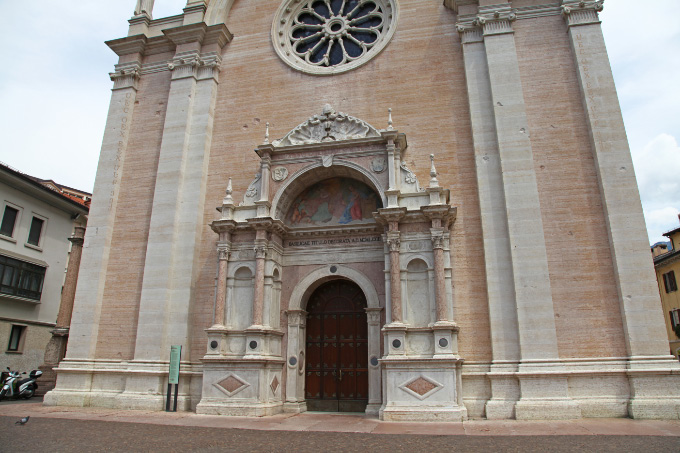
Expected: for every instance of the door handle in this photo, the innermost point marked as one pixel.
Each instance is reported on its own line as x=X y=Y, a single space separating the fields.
x=340 y=376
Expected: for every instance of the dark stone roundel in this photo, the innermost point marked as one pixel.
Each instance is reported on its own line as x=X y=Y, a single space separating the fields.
x=374 y=361
x=253 y=344
x=292 y=361
x=334 y=269
x=443 y=342
x=396 y=344
x=213 y=344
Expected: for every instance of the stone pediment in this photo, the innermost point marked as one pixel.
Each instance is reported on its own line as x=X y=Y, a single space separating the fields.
x=329 y=126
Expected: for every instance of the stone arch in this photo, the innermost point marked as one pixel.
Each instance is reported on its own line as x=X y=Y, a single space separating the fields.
x=316 y=172
x=306 y=286
x=238 y=266
x=218 y=11
x=421 y=257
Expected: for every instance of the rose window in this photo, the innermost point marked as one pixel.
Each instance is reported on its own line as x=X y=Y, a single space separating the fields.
x=332 y=36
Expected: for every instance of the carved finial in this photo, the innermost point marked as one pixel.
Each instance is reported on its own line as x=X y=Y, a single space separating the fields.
x=433 y=173
x=228 y=199
x=389 y=119
x=266 y=134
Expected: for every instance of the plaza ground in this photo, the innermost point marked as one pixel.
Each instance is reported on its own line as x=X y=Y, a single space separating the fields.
x=96 y=429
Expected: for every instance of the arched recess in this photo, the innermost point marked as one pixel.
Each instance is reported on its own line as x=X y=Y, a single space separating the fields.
x=218 y=11
x=306 y=286
x=314 y=173
x=295 y=384
x=240 y=287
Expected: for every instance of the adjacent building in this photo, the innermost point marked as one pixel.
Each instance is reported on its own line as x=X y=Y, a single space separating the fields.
x=667 y=266
x=418 y=234
x=36 y=222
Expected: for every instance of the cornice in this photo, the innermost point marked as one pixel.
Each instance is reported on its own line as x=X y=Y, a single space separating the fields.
x=128 y=45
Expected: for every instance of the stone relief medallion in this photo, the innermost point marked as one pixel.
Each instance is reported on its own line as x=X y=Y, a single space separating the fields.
x=325 y=37
x=279 y=174
x=379 y=164
x=327 y=161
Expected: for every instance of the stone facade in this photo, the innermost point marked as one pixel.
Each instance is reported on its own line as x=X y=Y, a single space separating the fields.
x=487 y=292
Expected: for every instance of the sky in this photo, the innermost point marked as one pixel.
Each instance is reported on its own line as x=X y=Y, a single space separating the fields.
x=55 y=89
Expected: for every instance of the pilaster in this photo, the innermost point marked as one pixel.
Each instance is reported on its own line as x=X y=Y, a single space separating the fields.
x=643 y=322
x=516 y=250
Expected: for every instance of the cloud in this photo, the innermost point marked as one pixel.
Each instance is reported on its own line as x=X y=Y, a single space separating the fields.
x=657 y=169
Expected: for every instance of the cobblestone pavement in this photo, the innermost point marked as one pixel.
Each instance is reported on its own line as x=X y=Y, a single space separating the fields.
x=95 y=429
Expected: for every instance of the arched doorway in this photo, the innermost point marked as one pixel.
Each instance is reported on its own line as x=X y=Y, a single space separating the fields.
x=337 y=348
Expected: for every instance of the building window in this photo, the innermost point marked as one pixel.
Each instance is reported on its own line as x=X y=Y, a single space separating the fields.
x=9 y=219
x=669 y=282
x=19 y=278
x=36 y=231
x=16 y=338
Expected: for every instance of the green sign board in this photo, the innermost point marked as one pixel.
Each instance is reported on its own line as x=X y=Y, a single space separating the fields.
x=175 y=354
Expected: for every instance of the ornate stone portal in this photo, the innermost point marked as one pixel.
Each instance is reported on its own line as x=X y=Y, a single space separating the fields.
x=336 y=214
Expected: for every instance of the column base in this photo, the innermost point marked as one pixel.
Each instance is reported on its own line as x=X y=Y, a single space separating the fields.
x=558 y=409
x=421 y=389
x=373 y=410
x=215 y=406
x=420 y=414
x=290 y=407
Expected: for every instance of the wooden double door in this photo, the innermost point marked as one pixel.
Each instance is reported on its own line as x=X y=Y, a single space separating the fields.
x=337 y=349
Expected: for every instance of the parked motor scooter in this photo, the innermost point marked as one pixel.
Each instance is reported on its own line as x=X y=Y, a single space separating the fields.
x=14 y=387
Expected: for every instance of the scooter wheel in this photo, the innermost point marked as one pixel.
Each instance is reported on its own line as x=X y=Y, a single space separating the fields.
x=2 y=394
x=29 y=394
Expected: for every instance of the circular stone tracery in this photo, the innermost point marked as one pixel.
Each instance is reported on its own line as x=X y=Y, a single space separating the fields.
x=332 y=36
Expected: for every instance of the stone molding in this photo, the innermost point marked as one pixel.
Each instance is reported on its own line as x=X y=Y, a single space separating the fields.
x=329 y=126
x=581 y=12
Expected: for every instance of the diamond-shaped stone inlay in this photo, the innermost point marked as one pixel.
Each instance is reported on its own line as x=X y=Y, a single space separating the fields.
x=231 y=385
x=421 y=387
x=275 y=384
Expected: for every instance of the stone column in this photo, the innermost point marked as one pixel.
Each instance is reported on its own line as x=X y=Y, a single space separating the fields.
x=68 y=294
x=258 y=297
x=295 y=362
x=394 y=243
x=54 y=352
x=221 y=294
x=374 y=370
x=439 y=277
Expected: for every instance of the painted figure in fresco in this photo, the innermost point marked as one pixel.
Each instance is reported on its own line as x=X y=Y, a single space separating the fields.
x=333 y=201
x=353 y=209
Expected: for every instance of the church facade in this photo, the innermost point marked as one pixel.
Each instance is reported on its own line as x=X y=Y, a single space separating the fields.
x=439 y=221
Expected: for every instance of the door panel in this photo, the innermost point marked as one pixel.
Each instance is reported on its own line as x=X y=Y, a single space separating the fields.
x=337 y=348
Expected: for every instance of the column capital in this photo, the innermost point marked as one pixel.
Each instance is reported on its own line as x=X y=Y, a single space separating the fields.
x=373 y=315
x=296 y=317
x=223 y=249
x=126 y=76
x=394 y=241
x=577 y=12
x=495 y=19
x=437 y=237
